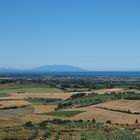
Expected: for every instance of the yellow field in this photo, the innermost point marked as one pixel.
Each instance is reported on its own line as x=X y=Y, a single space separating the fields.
x=123 y=105
x=44 y=108
x=102 y=115
x=39 y=95
x=13 y=103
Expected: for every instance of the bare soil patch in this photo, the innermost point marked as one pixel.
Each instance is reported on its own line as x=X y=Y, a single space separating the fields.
x=44 y=108
x=16 y=113
x=13 y=103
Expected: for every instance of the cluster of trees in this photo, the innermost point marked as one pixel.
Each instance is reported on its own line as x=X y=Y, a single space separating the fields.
x=77 y=95
x=119 y=135
x=81 y=99
x=58 y=133
x=42 y=100
x=46 y=134
x=13 y=107
x=33 y=136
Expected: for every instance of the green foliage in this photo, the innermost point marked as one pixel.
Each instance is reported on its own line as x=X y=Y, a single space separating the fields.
x=108 y=122
x=44 y=101
x=120 y=135
x=58 y=133
x=87 y=100
x=77 y=95
x=29 y=124
x=92 y=99
x=132 y=96
x=63 y=113
x=47 y=132
x=13 y=107
x=33 y=136
x=4 y=94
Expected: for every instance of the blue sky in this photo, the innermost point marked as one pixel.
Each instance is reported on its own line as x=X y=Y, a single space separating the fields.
x=92 y=34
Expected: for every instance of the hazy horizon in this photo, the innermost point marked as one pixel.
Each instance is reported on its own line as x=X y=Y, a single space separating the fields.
x=87 y=69
x=94 y=35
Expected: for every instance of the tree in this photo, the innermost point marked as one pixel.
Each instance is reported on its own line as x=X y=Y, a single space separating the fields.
x=29 y=124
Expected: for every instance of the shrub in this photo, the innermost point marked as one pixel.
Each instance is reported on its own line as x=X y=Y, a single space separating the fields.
x=29 y=124
x=93 y=120
x=108 y=122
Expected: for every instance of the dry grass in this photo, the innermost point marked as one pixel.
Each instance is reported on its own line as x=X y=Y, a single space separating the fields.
x=6 y=122
x=13 y=103
x=44 y=108
x=117 y=90
x=36 y=118
x=16 y=113
x=123 y=105
x=102 y=115
x=22 y=134
x=40 y=95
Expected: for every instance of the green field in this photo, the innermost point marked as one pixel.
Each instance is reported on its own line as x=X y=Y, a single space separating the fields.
x=63 y=113
x=4 y=94
x=31 y=90
x=43 y=101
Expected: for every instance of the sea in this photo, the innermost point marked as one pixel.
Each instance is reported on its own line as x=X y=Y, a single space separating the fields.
x=85 y=73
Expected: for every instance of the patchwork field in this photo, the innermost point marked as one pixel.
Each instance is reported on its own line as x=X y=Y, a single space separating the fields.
x=43 y=111
x=102 y=115
x=112 y=110
x=132 y=106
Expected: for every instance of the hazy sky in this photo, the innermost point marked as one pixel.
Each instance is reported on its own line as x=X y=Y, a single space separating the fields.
x=93 y=34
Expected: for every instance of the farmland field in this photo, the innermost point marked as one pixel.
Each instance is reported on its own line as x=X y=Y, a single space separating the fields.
x=44 y=108
x=31 y=90
x=63 y=113
x=133 y=106
x=69 y=108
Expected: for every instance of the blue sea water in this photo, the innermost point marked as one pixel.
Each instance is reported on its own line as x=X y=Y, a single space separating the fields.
x=87 y=73
x=102 y=73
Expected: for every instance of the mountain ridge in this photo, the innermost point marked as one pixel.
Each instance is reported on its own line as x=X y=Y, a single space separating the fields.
x=44 y=68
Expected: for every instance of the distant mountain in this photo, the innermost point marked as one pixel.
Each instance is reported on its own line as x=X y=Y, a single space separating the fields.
x=43 y=69
x=57 y=68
